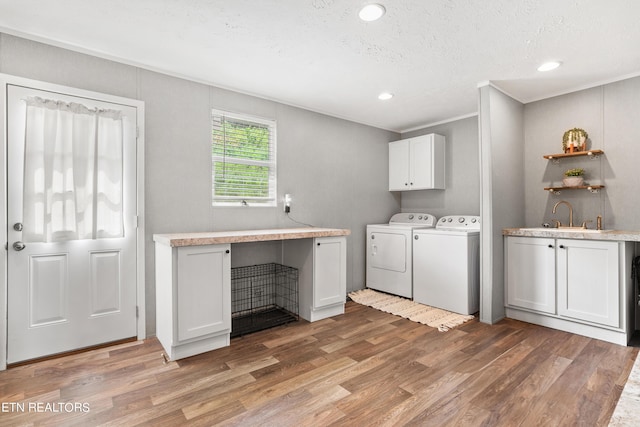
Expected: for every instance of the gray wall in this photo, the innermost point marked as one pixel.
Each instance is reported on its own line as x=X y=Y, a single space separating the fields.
x=502 y=183
x=336 y=170
x=462 y=193
x=610 y=115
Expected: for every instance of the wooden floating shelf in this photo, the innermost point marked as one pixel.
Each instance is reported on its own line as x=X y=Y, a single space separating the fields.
x=592 y=188
x=590 y=153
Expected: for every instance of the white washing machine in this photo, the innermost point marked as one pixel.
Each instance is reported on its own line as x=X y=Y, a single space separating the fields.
x=446 y=264
x=389 y=252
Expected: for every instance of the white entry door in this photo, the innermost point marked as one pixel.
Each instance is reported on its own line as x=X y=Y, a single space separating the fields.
x=73 y=286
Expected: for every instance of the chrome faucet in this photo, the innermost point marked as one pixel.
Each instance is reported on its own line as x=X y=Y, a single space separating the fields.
x=570 y=211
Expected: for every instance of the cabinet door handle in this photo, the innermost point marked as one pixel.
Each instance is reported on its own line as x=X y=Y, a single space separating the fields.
x=227 y=251
x=318 y=243
x=551 y=246
x=562 y=247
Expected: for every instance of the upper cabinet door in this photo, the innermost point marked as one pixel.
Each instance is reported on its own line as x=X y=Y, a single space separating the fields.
x=399 y=165
x=427 y=153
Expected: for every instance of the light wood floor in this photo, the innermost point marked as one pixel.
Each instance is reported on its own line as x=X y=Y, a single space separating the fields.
x=364 y=368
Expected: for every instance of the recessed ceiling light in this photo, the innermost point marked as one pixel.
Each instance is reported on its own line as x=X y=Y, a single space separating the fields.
x=385 y=95
x=548 y=66
x=371 y=12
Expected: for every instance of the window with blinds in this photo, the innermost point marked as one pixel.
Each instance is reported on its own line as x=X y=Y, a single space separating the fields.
x=243 y=152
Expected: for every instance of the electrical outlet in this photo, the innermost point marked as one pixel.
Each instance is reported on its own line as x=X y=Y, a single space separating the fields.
x=287 y=203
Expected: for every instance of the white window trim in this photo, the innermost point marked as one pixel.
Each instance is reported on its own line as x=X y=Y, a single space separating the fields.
x=270 y=201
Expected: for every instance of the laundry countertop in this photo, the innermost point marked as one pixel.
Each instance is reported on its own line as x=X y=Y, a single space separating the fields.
x=243 y=236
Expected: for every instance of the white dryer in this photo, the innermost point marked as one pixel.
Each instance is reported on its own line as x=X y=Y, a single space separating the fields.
x=446 y=264
x=389 y=252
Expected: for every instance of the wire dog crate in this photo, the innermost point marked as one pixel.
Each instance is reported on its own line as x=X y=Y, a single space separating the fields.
x=262 y=296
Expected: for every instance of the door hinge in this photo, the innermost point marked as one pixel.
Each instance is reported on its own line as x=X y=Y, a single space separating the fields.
x=137 y=132
x=137 y=312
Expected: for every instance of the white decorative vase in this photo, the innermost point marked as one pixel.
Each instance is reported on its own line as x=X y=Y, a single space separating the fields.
x=573 y=181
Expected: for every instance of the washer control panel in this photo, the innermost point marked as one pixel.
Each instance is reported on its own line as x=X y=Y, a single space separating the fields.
x=458 y=222
x=414 y=218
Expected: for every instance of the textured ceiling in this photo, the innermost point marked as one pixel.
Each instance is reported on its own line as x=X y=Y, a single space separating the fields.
x=317 y=54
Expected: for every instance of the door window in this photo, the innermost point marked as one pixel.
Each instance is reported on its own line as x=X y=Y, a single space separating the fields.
x=72 y=172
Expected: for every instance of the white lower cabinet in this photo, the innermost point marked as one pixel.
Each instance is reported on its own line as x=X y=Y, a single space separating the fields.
x=329 y=271
x=204 y=291
x=193 y=298
x=580 y=286
x=588 y=281
x=531 y=273
x=322 y=275
x=193 y=282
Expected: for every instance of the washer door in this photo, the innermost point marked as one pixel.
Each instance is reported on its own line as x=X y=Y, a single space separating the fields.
x=387 y=251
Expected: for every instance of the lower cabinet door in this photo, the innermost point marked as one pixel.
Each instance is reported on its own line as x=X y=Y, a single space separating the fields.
x=204 y=291
x=588 y=281
x=329 y=271
x=531 y=273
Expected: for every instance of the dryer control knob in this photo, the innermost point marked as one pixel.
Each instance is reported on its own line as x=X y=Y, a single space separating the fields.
x=461 y=219
x=450 y=219
x=411 y=216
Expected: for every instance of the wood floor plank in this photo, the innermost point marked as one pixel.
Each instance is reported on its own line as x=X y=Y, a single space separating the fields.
x=222 y=377
x=554 y=407
x=265 y=394
x=365 y=367
x=448 y=404
x=422 y=399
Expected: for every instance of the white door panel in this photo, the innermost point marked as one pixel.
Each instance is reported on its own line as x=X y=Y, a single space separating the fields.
x=73 y=294
x=48 y=289
x=106 y=286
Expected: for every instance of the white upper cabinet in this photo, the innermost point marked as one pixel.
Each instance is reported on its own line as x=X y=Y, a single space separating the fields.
x=417 y=163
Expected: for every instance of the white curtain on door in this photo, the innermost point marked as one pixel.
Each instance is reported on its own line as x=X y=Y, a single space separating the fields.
x=72 y=172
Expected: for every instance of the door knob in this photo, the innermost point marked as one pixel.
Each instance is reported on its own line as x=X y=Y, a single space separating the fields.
x=18 y=246
x=17 y=226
